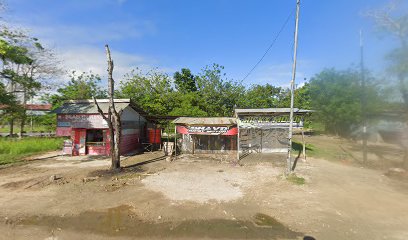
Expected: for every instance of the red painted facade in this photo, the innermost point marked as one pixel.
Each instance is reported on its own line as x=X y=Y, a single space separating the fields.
x=129 y=143
x=79 y=126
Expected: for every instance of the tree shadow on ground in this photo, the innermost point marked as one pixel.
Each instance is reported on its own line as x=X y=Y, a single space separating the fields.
x=299 y=148
x=145 y=162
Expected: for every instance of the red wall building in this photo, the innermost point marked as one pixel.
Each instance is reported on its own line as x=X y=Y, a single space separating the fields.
x=89 y=132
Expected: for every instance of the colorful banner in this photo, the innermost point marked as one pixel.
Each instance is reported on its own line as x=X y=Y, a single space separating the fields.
x=282 y=121
x=208 y=130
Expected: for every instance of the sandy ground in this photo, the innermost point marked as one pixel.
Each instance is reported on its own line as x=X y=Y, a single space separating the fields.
x=193 y=198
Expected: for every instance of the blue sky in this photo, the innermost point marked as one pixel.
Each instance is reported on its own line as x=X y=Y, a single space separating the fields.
x=186 y=33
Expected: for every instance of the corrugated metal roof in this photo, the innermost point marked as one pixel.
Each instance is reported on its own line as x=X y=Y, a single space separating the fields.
x=205 y=121
x=88 y=106
x=270 y=111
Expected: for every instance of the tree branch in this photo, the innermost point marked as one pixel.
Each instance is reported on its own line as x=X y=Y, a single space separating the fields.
x=111 y=81
x=101 y=112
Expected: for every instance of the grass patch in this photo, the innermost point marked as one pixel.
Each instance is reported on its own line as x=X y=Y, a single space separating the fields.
x=295 y=179
x=16 y=129
x=297 y=146
x=13 y=150
x=329 y=152
x=317 y=127
x=265 y=220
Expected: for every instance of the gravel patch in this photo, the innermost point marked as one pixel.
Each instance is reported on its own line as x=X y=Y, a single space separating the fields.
x=202 y=183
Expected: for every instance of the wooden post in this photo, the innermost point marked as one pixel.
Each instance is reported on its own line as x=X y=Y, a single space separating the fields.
x=304 y=146
x=289 y=169
x=167 y=133
x=154 y=138
x=238 y=138
x=261 y=140
x=161 y=135
x=175 y=141
x=192 y=137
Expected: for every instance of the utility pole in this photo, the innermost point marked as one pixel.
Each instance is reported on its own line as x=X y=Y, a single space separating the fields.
x=363 y=98
x=292 y=90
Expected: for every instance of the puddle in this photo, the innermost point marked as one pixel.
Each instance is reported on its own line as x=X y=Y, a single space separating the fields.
x=122 y=221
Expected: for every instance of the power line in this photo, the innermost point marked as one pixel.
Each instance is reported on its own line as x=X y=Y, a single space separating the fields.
x=270 y=46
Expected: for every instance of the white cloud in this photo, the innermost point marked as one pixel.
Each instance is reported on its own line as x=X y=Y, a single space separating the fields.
x=81 y=48
x=87 y=58
x=68 y=35
x=281 y=74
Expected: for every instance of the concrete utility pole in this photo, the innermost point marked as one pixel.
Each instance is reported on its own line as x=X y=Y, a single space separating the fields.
x=363 y=99
x=292 y=90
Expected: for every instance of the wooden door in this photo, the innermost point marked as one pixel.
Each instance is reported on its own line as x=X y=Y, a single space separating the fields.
x=78 y=137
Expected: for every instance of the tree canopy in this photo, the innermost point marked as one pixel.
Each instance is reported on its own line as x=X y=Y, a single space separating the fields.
x=336 y=96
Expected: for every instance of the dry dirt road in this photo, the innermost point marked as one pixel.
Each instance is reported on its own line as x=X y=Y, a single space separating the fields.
x=193 y=198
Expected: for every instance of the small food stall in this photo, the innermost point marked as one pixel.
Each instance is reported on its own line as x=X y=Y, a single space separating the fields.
x=216 y=135
x=89 y=132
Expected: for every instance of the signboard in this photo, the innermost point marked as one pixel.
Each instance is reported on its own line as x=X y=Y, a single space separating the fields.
x=265 y=122
x=81 y=121
x=63 y=131
x=207 y=130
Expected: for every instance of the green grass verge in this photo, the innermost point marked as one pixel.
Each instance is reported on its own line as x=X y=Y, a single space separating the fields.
x=329 y=152
x=14 y=150
x=295 y=179
x=27 y=128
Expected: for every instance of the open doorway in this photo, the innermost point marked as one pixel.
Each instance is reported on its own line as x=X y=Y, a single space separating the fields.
x=95 y=142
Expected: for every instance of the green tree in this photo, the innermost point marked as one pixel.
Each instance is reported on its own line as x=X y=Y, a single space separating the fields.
x=336 y=96
x=151 y=90
x=302 y=98
x=393 y=22
x=19 y=70
x=261 y=96
x=81 y=86
x=186 y=96
x=185 y=81
x=187 y=104
x=218 y=95
x=9 y=106
x=5 y=97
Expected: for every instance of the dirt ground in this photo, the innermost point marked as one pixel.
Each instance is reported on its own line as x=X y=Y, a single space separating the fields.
x=55 y=197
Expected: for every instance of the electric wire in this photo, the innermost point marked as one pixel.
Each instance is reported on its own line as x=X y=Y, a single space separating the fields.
x=270 y=46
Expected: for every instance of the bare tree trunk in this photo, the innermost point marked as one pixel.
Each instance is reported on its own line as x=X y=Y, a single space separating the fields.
x=11 y=124
x=22 y=123
x=24 y=114
x=117 y=139
x=303 y=146
x=113 y=119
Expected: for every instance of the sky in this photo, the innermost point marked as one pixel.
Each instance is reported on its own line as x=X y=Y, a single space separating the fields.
x=176 y=34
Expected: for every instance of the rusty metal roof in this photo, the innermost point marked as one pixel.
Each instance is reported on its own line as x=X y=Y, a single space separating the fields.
x=89 y=107
x=206 y=121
